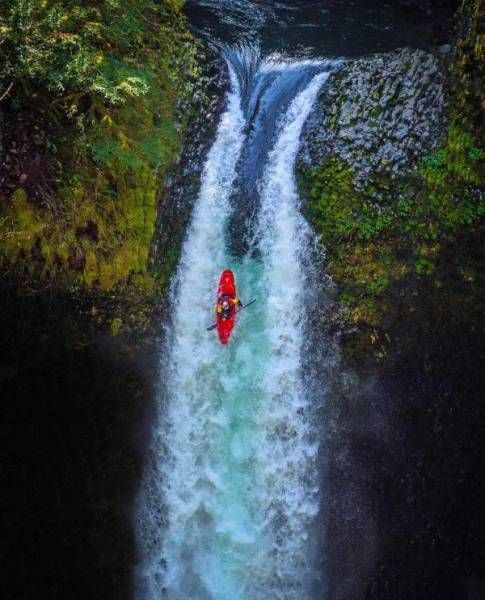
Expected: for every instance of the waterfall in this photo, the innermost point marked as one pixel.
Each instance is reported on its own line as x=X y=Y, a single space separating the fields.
x=230 y=491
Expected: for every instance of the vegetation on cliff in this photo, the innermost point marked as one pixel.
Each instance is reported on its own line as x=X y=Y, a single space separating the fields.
x=93 y=111
x=391 y=240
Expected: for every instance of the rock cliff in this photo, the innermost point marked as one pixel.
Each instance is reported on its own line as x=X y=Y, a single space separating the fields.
x=379 y=113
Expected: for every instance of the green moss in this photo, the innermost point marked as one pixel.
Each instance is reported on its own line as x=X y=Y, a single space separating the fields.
x=372 y=245
x=99 y=241
x=168 y=263
x=452 y=176
x=341 y=212
x=334 y=203
x=144 y=282
x=20 y=227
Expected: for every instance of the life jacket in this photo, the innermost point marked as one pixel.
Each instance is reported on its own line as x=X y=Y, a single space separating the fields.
x=226 y=313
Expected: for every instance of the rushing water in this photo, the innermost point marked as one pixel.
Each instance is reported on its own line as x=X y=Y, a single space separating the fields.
x=231 y=490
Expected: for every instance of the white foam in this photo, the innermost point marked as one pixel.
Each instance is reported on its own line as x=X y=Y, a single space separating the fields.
x=287 y=455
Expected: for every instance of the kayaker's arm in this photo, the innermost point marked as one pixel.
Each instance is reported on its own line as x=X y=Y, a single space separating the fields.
x=241 y=306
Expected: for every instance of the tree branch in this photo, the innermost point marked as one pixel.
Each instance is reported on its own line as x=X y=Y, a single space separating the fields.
x=6 y=92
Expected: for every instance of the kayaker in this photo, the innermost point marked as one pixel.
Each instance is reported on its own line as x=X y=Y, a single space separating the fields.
x=224 y=306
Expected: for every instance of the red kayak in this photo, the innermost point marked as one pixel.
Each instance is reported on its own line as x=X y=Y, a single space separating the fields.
x=226 y=305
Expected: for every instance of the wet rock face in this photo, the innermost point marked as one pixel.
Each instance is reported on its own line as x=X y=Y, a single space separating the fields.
x=379 y=114
x=181 y=188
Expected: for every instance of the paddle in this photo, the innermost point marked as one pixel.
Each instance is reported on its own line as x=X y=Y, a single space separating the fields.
x=239 y=309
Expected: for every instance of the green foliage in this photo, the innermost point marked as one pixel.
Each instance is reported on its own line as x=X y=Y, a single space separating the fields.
x=348 y=298
x=340 y=212
x=93 y=242
x=92 y=60
x=424 y=266
x=434 y=161
x=379 y=284
x=476 y=154
x=19 y=226
x=333 y=200
x=99 y=49
x=110 y=77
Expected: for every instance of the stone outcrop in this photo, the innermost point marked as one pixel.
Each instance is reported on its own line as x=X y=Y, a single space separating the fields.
x=379 y=114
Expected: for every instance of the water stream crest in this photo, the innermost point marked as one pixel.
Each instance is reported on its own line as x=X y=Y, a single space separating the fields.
x=230 y=492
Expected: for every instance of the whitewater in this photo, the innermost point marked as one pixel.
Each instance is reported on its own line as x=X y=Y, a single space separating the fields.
x=230 y=494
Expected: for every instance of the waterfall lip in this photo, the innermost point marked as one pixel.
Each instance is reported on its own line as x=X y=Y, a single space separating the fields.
x=251 y=67
x=279 y=62
x=268 y=84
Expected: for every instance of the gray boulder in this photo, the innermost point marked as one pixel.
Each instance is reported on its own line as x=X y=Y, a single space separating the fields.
x=380 y=113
